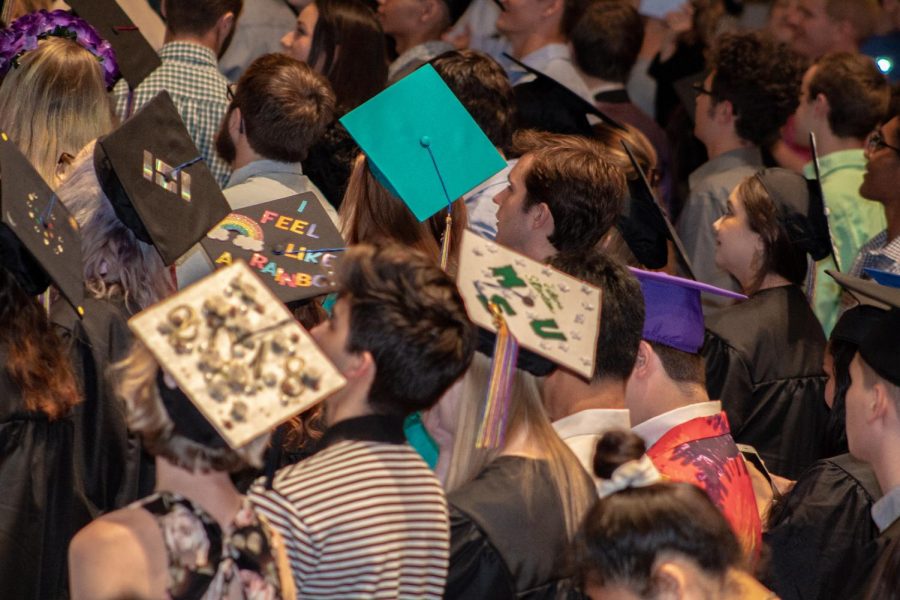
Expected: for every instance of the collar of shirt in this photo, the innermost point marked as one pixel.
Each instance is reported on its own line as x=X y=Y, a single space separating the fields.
x=878 y=253
x=592 y=422
x=188 y=52
x=538 y=60
x=887 y=509
x=263 y=167
x=369 y=428
x=739 y=157
x=653 y=429
x=842 y=159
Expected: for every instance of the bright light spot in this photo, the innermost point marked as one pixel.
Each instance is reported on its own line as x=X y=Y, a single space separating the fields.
x=885 y=64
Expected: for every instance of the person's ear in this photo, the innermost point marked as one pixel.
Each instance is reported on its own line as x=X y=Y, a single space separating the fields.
x=879 y=403
x=553 y=7
x=224 y=26
x=359 y=366
x=821 y=107
x=541 y=217
x=235 y=122
x=670 y=581
x=723 y=112
x=643 y=361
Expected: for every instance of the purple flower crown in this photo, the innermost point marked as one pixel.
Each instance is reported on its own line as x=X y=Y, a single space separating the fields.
x=24 y=33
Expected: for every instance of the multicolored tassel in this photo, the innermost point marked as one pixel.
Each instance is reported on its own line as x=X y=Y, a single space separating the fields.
x=446 y=241
x=492 y=432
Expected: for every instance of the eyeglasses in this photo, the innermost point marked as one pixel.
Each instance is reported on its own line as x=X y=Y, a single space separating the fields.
x=229 y=91
x=875 y=142
x=699 y=89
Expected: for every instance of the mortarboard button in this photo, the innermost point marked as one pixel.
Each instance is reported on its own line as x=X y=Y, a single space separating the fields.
x=43 y=226
x=134 y=54
x=159 y=186
x=673 y=311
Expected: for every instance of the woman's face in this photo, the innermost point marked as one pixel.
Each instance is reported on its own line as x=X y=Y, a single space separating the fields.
x=738 y=248
x=297 y=43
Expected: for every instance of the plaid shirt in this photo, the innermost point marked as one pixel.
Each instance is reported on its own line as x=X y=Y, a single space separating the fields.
x=879 y=254
x=190 y=74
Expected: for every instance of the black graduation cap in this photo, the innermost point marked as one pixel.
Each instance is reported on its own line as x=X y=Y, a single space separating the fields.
x=135 y=55
x=548 y=105
x=801 y=210
x=157 y=181
x=46 y=240
x=685 y=89
x=291 y=243
x=648 y=216
x=821 y=192
x=879 y=345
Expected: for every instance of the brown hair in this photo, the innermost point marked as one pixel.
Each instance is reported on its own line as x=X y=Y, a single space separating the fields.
x=861 y=14
x=408 y=314
x=197 y=17
x=779 y=255
x=36 y=362
x=371 y=214
x=607 y=39
x=582 y=188
x=481 y=85
x=285 y=105
x=858 y=94
x=680 y=366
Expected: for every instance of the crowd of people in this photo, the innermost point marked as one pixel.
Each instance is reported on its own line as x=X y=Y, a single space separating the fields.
x=725 y=173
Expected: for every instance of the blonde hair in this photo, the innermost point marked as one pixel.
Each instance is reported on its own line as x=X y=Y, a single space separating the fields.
x=54 y=103
x=115 y=261
x=135 y=378
x=576 y=490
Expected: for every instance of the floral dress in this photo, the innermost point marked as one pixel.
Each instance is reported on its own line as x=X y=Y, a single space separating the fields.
x=204 y=560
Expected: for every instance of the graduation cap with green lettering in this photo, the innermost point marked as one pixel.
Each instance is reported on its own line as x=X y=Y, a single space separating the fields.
x=45 y=244
x=291 y=243
x=134 y=54
x=157 y=180
x=422 y=144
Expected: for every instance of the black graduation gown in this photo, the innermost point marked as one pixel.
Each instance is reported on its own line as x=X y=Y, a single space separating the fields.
x=819 y=531
x=41 y=506
x=115 y=469
x=507 y=534
x=764 y=362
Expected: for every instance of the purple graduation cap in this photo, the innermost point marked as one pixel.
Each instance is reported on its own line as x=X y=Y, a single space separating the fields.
x=674 y=316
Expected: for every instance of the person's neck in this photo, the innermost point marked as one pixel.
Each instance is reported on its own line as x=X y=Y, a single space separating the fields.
x=207 y=40
x=213 y=490
x=666 y=395
x=523 y=44
x=724 y=144
x=404 y=42
x=244 y=154
x=886 y=466
x=348 y=403
x=569 y=395
x=892 y=215
x=539 y=248
x=828 y=143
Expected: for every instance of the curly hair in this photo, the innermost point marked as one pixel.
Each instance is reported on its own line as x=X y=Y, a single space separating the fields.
x=761 y=78
x=35 y=359
x=409 y=316
x=116 y=263
x=572 y=175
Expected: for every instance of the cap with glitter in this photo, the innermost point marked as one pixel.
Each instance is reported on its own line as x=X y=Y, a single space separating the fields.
x=157 y=181
x=45 y=240
x=291 y=243
x=674 y=316
x=237 y=353
x=421 y=143
x=134 y=54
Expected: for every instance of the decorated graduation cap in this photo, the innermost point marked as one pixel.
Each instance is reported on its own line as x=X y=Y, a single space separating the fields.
x=136 y=57
x=44 y=240
x=800 y=210
x=237 y=354
x=548 y=105
x=647 y=215
x=879 y=345
x=421 y=143
x=157 y=181
x=674 y=314
x=291 y=243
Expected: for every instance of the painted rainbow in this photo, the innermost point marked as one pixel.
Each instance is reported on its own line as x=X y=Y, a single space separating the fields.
x=243 y=225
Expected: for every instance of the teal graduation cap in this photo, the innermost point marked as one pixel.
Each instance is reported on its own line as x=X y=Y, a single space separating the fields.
x=422 y=144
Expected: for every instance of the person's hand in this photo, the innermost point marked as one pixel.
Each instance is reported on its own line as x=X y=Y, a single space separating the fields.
x=676 y=23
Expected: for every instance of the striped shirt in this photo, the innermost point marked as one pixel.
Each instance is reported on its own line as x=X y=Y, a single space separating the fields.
x=878 y=253
x=363 y=518
x=190 y=74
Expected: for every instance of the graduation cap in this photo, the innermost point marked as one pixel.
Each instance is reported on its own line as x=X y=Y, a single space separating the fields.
x=686 y=90
x=800 y=208
x=548 y=312
x=45 y=241
x=136 y=57
x=674 y=313
x=291 y=243
x=647 y=215
x=421 y=143
x=820 y=190
x=879 y=345
x=548 y=105
x=157 y=181
x=237 y=354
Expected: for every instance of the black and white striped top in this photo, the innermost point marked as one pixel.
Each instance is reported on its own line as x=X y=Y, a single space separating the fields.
x=363 y=518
